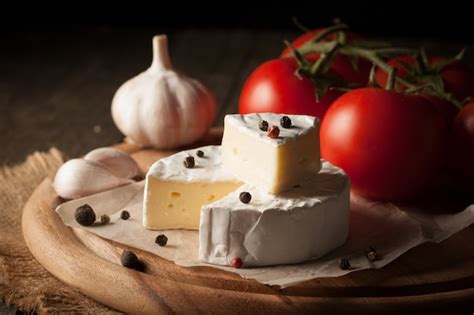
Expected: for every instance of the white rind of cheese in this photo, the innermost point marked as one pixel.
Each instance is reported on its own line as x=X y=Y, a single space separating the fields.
x=273 y=165
x=174 y=194
x=248 y=123
x=208 y=168
x=301 y=224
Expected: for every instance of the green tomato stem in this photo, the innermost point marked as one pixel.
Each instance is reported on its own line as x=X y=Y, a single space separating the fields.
x=326 y=32
x=298 y=24
x=350 y=50
x=392 y=73
x=374 y=58
x=372 y=81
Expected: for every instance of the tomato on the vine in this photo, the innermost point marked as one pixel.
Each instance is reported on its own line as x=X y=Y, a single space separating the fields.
x=462 y=149
x=390 y=144
x=341 y=65
x=274 y=87
x=457 y=77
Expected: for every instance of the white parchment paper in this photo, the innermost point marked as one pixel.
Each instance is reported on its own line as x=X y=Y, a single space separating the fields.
x=390 y=229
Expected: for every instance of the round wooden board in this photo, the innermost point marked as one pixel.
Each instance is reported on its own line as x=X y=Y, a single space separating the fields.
x=429 y=277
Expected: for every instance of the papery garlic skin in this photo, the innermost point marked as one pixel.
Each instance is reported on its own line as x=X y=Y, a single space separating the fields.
x=79 y=178
x=117 y=162
x=163 y=108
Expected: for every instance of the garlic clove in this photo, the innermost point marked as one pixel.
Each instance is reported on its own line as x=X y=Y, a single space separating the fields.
x=117 y=162
x=79 y=178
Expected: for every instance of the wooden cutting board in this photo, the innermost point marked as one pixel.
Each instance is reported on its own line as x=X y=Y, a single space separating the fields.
x=429 y=277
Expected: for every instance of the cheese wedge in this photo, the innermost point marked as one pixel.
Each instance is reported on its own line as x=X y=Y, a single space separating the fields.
x=272 y=165
x=303 y=223
x=175 y=194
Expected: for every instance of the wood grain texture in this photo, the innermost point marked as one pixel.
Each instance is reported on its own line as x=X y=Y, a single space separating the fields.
x=432 y=277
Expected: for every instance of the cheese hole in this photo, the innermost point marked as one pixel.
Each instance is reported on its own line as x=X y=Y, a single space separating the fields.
x=211 y=197
x=235 y=151
x=170 y=205
x=175 y=194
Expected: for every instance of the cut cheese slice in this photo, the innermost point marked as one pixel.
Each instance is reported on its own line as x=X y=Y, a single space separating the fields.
x=273 y=165
x=175 y=194
x=303 y=223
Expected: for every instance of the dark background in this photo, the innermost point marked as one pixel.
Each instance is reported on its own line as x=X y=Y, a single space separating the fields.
x=61 y=64
x=434 y=19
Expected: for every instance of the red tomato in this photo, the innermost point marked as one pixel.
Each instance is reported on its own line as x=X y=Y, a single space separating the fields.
x=390 y=144
x=458 y=79
x=274 y=88
x=341 y=64
x=448 y=110
x=462 y=149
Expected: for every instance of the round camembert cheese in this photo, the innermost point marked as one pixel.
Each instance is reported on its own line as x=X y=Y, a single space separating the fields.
x=302 y=223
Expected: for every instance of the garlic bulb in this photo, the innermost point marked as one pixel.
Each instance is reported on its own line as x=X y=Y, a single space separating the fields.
x=78 y=178
x=161 y=107
x=117 y=162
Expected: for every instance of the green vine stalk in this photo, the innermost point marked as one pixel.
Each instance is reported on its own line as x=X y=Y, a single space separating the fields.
x=423 y=78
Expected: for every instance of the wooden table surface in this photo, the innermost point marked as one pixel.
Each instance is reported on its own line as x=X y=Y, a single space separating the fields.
x=56 y=85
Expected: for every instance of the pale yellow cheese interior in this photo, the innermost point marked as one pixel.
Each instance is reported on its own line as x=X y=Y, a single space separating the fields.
x=177 y=204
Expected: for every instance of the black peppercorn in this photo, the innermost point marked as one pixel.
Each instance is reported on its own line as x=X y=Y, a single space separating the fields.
x=370 y=249
x=104 y=219
x=370 y=253
x=245 y=197
x=200 y=153
x=344 y=263
x=263 y=125
x=161 y=240
x=125 y=215
x=129 y=259
x=140 y=266
x=285 y=122
x=188 y=162
x=85 y=215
